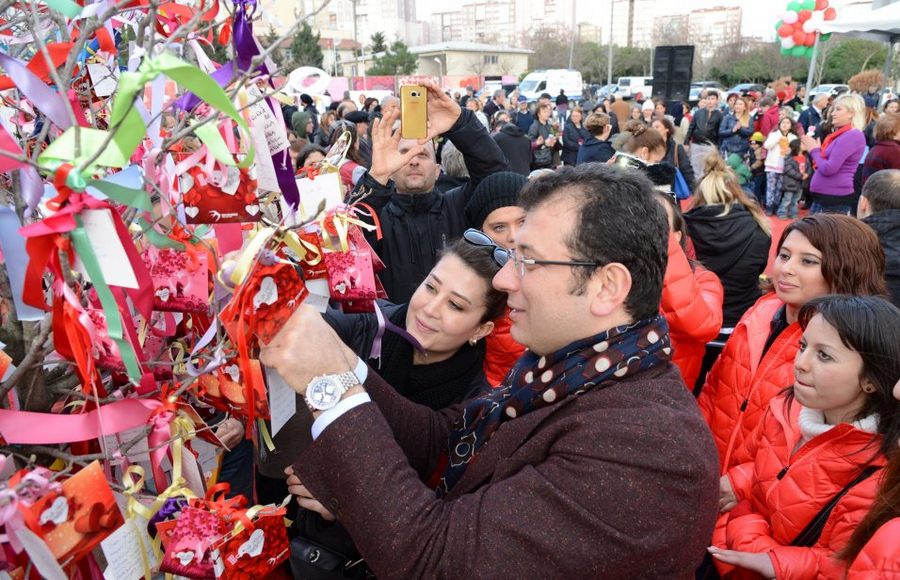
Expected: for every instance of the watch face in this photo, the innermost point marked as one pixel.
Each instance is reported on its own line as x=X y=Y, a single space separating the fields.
x=323 y=393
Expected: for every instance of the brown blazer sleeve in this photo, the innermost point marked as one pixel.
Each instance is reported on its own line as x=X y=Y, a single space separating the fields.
x=420 y=431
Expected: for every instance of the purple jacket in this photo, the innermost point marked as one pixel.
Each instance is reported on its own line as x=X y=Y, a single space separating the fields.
x=834 y=176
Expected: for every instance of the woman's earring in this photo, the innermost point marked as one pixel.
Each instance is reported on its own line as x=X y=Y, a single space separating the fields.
x=473 y=341
x=869 y=389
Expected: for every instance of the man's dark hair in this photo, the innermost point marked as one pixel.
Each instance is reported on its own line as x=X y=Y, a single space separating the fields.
x=767 y=101
x=619 y=221
x=883 y=190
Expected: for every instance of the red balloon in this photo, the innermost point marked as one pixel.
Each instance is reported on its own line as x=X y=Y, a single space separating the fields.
x=803 y=15
x=810 y=38
x=821 y=4
x=830 y=14
x=785 y=30
x=799 y=37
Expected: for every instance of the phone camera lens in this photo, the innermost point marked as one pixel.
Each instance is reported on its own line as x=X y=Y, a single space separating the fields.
x=414 y=94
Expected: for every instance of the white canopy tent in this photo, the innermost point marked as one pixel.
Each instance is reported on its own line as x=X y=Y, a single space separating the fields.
x=881 y=25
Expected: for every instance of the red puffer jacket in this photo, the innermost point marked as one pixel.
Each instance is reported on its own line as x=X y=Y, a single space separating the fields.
x=692 y=305
x=502 y=351
x=739 y=386
x=781 y=491
x=880 y=557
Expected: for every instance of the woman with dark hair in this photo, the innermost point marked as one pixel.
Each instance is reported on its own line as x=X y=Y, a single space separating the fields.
x=675 y=152
x=310 y=155
x=597 y=147
x=574 y=135
x=644 y=142
x=432 y=354
x=544 y=142
x=828 y=434
x=817 y=255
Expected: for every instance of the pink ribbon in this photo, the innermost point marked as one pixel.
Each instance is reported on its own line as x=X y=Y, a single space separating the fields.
x=26 y=427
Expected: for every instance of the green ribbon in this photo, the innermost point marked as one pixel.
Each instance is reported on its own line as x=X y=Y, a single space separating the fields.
x=107 y=300
x=115 y=149
x=65 y=7
x=136 y=198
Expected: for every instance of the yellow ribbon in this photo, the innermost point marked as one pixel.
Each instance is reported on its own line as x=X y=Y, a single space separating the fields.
x=248 y=257
x=300 y=247
x=341 y=220
x=264 y=434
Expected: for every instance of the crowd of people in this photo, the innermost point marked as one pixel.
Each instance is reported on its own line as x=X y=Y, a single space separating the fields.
x=592 y=368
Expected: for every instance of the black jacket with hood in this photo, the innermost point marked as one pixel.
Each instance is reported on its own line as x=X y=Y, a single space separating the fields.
x=416 y=227
x=886 y=224
x=516 y=147
x=736 y=249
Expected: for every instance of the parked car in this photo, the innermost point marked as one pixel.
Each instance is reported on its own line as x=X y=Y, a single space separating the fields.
x=607 y=91
x=698 y=86
x=831 y=90
x=745 y=89
x=632 y=87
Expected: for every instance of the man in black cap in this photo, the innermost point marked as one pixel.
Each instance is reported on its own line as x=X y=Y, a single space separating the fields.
x=309 y=106
x=361 y=120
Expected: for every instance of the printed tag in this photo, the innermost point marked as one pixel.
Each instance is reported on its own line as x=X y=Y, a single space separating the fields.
x=114 y=264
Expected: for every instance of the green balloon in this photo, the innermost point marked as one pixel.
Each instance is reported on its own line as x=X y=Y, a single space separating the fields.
x=794 y=6
x=785 y=51
x=824 y=37
x=798 y=51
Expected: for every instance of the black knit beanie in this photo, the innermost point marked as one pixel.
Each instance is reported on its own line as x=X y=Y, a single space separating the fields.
x=495 y=191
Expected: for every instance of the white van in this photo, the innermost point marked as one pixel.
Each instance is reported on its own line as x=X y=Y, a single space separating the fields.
x=630 y=87
x=551 y=82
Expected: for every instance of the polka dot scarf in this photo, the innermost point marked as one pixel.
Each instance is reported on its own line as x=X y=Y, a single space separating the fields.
x=536 y=382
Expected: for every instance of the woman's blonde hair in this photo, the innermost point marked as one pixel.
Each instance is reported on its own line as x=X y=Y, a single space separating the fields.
x=857 y=107
x=745 y=118
x=719 y=186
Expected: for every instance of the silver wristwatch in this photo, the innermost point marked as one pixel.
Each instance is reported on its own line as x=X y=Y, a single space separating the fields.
x=324 y=392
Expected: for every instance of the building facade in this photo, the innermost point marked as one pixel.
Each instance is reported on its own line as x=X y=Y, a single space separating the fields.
x=712 y=29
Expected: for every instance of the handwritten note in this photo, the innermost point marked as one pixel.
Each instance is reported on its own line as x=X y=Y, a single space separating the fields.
x=325 y=187
x=114 y=264
x=262 y=116
x=126 y=549
x=282 y=400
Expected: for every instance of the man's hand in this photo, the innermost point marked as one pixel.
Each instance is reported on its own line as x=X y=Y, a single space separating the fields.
x=306 y=347
x=551 y=141
x=759 y=563
x=727 y=499
x=443 y=112
x=304 y=497
x=386 y=156
x=230 y=432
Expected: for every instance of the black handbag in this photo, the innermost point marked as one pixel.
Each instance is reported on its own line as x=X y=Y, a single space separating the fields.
x=328 y=557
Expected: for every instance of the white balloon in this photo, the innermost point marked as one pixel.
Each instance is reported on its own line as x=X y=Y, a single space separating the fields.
x=307 y=79
x=818 y=17
x=809 y=26
x=787 y=42
x=789 y=17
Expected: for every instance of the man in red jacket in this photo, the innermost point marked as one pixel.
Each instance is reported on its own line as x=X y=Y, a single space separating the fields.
x=592 y=462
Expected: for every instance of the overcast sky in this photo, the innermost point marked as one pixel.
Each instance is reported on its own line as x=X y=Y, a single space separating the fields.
x=758 y=20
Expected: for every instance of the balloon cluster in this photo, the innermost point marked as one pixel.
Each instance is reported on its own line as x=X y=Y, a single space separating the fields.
x=797 y=27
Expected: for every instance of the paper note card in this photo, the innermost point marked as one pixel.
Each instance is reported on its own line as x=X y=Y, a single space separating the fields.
x=111 y=256
x=128 y=550
x=282 y=400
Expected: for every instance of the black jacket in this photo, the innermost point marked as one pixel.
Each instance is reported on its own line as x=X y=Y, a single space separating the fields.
x=595 y=150
x=684 y=162
x=887 y=225
x=704 y=127
x=571 y=137
x=736 y=249
x=516 y=147
x=416 y=227
x=793 y=179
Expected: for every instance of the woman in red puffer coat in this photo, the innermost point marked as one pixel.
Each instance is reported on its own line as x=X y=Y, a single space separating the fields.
x=691 y=299
x=493 y=209
x=817 y=255
x=826 y=438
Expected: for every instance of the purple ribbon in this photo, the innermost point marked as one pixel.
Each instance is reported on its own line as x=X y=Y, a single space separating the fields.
x=385 y=324
x=49 y=101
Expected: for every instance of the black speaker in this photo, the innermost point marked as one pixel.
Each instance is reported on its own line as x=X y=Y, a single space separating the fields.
x=672 y=68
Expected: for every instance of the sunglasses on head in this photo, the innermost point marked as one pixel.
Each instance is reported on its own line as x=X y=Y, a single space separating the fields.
x=479 y=238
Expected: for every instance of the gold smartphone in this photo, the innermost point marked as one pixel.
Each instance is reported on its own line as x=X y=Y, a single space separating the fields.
x=413 y=112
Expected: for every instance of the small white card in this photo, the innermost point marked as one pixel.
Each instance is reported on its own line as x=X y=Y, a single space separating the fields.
x=139 y=452
x=108 y=249
x=40 y=555
x=104 y=78
x=123 y=550
x=266 y=179
x=282 y=400
x=326 y=186
x=319 y=294
x=262 y=116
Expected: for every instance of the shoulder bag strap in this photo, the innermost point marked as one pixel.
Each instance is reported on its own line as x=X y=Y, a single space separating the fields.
x=677 y=164
x=810 y=534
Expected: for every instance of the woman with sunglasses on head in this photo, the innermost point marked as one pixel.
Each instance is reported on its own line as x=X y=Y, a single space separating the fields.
x=448 y=316
x=493 y=209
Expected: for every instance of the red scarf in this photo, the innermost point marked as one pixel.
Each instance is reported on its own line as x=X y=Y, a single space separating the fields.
x=832 y=137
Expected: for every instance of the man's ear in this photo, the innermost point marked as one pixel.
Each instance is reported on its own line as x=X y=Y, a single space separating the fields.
x=609 y=288
x=862 y=207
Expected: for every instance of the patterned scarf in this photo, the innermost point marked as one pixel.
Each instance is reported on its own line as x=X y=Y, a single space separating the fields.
x=537 y=382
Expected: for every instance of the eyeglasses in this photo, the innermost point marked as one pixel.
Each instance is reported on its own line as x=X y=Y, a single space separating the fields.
x=502 y=255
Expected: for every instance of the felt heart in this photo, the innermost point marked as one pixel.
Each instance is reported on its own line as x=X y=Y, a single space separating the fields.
x=57 y=513
x=252 y=209
x=187 y=182
x=267 y=293
x=163 y=294
x=185 y=557
x=253 y=547
x=94 y=520
x=234 y=371
x=191 y=211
